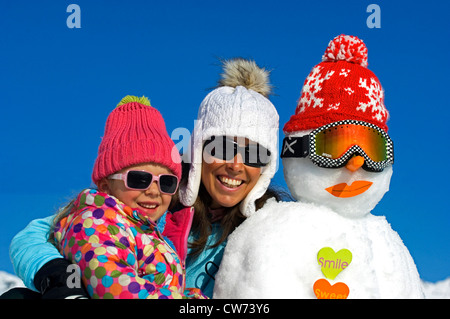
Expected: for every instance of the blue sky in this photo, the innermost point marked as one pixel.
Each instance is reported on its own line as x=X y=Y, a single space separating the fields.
x=59 y=84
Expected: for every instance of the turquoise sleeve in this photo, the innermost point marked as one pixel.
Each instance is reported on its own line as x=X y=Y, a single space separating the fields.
x=30 y=250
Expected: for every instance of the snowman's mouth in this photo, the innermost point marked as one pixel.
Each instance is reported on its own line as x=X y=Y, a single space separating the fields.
x=344 y=190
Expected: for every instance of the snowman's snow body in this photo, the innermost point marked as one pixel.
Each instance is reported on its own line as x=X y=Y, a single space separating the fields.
x=273 y=254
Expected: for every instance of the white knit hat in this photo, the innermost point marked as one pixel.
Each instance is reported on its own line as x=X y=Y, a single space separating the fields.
x=238 y=107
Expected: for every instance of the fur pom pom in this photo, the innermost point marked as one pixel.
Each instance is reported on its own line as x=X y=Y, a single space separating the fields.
x=246 y=73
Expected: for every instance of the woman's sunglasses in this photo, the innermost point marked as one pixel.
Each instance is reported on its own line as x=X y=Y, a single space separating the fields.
x=141 y=180
x=226 y=148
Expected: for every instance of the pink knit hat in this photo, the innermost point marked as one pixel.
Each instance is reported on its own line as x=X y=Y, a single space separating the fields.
x=135 y=133
x=341 y=87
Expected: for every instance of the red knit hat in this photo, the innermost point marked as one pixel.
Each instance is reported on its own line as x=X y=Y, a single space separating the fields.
x=135 y=133
x=340 y=88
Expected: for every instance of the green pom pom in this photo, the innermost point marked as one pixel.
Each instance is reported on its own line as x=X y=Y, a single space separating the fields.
x=131 y=98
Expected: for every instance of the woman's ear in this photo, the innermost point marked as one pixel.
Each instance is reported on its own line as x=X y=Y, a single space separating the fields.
x=103 y=186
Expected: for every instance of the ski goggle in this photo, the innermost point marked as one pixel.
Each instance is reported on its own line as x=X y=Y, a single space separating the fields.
x=332 y=145
x=141 y=180
x=226 y=148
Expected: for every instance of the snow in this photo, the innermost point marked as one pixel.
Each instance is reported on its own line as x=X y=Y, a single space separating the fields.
x=8 y=281
x=437 y=290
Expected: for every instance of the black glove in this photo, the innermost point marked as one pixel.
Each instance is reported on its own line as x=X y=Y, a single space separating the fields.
x=60 y=279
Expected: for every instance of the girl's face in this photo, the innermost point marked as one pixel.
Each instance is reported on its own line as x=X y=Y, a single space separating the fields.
x=150 y=202
x=228 y=182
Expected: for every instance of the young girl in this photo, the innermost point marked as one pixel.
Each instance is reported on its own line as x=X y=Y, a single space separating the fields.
x=111 y=232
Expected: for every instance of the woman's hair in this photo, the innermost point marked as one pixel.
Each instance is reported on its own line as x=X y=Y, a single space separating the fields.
x=232 y=217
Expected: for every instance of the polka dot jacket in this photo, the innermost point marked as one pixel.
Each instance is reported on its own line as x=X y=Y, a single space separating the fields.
x=121 y=253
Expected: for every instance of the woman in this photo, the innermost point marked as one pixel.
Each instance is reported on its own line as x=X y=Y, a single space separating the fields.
x=234 y=155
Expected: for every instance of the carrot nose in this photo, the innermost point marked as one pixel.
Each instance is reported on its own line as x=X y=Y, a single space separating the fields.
x=355 y=163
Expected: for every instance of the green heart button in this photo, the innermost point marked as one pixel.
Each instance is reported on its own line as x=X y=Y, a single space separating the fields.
x=333 y=263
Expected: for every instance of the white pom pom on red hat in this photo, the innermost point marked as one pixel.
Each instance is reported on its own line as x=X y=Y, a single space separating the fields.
x=346 y=48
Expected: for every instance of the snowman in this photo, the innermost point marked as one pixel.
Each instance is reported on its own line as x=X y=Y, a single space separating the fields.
x=337 y=158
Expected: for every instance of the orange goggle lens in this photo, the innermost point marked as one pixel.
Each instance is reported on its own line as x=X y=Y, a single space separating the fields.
x=333 y=142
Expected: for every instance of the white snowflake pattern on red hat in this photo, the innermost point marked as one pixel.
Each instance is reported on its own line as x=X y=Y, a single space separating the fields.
x=313 y=85
x=375 y=102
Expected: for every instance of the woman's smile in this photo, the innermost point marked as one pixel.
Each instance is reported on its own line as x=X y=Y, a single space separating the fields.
x=230 y=182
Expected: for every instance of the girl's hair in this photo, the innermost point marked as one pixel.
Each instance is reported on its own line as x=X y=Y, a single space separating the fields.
x=62 y=213
x=232 y=217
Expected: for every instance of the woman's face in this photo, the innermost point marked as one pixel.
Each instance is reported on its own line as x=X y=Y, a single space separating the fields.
x=228 y=182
